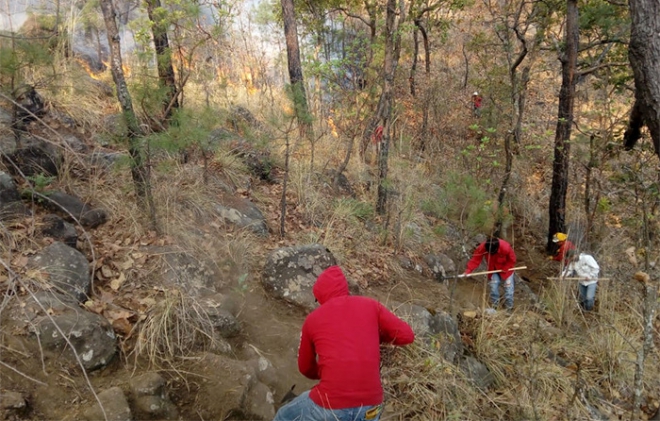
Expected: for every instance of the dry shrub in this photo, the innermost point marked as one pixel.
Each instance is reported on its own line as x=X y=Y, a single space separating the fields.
x=420 y=385
x=176 y=326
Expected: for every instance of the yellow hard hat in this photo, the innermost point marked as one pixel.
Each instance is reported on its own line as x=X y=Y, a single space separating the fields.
x=560 y=236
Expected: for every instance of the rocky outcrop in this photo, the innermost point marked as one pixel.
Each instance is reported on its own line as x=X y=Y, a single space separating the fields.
x=290 y=273
x=440 y=265
x=240 y=394
x=74 y=208
x=186 y=272
x=11 y=205
x=67 y=269
x=33 y=157
x=61 y=323
x=437 y=328
x=241 y=213
x=149 y=399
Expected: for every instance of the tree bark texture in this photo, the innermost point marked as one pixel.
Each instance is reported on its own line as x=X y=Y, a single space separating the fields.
x=557 y=205
x=644 y=56
x=164 y=58
x=392 y=48
x=139 y=170
x=295 y=69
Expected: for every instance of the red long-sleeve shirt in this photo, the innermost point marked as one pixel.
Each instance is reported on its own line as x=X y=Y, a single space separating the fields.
x=340 y=344
x=564 y=246
x=504 y=259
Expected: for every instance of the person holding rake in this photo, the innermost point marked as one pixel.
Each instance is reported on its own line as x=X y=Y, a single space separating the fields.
x=500 y=258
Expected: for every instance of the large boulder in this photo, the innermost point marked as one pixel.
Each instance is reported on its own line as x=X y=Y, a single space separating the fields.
x=115 y=407
x=33 y=157
x=68 y=269
x=437 y=328
x=149 y=398
x=61 y=323
x=241 y=213
x=290 y=273
x=187 y=272
x=74 y=208
x=239 y=395
x=11 y=205
x=440 y=265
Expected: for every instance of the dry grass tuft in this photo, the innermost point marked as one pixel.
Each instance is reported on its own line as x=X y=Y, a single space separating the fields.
x=176 y=326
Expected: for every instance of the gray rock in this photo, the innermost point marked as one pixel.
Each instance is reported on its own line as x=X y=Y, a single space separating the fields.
x=68 y=269
x=105 y=159
x=229 y=381
x=242 y=213
x=440 y=265
x=90 y=334
x=13 y=405
x=259 y=403
x=59 y=229
x=477 y=372
x=149 y=398
x=75 y=143
x=218 y=311
x=114 y=404
x=72 y=206
x=439 y=328
x=184 y=271
x=11 y=205
x=290 y=273
x=34 y=157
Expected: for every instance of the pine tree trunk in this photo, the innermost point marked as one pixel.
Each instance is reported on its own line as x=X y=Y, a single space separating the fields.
x=557 y=205
x=392 y=50
x=295 y=70
x=164 y=59
x=139 y=171
x=644 y=56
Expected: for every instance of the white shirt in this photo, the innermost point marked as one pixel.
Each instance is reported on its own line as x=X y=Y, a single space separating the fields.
x=584 y=267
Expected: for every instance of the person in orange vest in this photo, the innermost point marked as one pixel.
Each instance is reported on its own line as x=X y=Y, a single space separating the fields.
x=563 y=245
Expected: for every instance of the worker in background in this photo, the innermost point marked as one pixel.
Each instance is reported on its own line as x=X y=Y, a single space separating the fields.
x=584 y=267
x=563 y=245
x=476 y=104
x=340 y=345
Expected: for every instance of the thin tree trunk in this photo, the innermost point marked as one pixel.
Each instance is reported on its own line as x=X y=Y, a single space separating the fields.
x=392 y=51
x=557 y=205
x=139 y=170
x=163 y=58
x=295 y=70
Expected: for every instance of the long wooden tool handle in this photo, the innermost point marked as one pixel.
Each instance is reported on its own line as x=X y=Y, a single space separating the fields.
x=490 y=271
x=574 y=278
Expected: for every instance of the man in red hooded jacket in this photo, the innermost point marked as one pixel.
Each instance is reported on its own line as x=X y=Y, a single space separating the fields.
x=340 y=345
x=498 y=255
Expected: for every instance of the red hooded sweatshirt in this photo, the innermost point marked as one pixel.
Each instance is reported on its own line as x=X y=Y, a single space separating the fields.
x=340 y=344
x=504 y=259
x=564 y=246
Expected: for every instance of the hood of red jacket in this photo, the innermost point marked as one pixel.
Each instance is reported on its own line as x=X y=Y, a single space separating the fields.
x=331 y=283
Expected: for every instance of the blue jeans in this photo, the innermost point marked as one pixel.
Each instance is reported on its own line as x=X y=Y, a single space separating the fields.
x=587 y=295
x=302 y=408
x=494 y=286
